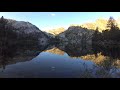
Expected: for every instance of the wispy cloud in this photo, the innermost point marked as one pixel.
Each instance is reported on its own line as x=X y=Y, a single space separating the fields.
x=52 y=14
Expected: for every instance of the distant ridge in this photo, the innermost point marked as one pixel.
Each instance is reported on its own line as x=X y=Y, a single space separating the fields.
x=100 y=23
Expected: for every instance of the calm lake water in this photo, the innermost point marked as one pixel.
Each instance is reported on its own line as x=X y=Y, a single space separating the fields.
x=61 y=62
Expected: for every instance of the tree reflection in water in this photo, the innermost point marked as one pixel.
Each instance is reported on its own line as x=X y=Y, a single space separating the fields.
x=105 y=58
x=14 y=54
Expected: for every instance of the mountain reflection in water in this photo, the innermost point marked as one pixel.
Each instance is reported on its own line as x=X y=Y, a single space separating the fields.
x=60 y=61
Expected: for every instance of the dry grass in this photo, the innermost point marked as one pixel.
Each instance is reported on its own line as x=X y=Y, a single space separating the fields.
x=98 y=72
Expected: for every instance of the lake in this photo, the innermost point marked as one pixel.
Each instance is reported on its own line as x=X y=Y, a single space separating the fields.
x=61 y=62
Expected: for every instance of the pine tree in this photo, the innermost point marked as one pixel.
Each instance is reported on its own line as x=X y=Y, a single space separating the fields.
x=2 y=33
x=111 y=24
x=7 y=35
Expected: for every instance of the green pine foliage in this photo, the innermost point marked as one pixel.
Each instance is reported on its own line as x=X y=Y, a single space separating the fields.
x=111 y=34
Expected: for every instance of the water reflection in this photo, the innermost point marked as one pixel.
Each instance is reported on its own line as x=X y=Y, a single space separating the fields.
x=15 y=54
x=59 y=61
x=107 y=58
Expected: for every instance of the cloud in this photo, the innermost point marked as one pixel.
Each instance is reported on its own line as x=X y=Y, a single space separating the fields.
x=52 y=14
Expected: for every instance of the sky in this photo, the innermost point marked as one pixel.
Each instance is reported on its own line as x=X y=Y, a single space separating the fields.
x=50 y=20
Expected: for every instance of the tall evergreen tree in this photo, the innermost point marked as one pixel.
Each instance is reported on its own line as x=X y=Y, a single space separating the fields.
x=111 y=24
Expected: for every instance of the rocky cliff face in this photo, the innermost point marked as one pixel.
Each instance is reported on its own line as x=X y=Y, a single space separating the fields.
x=76 y=35
x=27 y=28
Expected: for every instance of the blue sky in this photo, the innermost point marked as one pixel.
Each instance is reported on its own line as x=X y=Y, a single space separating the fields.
x=51 y=20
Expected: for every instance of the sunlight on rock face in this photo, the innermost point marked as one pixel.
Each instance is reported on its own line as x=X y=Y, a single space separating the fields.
x=56 y=31
x=100 y=23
